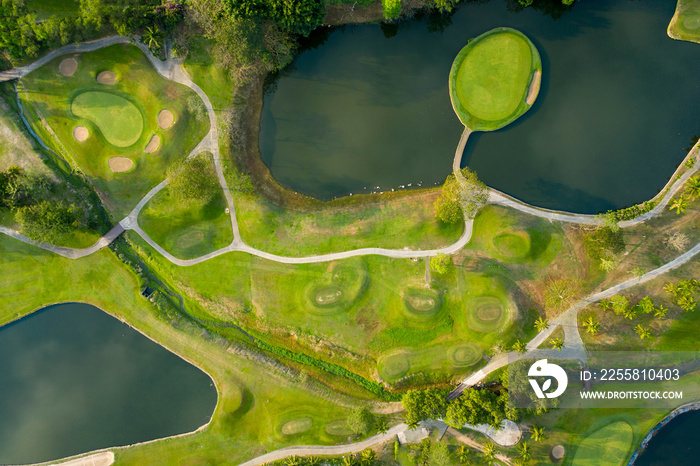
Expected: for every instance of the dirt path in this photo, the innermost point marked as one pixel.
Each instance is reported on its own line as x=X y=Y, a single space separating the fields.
x=475 y=445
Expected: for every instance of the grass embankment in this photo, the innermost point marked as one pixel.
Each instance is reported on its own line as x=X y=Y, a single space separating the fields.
x=685 y=24
x=18 y=148
x=406 y=220
x=191 y=227
x=47 y=97
x=253 y=405
x=491 y=77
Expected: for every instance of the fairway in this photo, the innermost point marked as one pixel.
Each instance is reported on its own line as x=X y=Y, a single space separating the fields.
x=118 y=119
x=449 y=359
x=490 y=79
x=514 y=245
x=608 y=445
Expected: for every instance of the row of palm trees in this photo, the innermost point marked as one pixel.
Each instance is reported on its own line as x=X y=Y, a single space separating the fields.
x=691 y=192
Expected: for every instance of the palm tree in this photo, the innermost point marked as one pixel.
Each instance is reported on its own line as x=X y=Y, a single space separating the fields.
x=537 y=433
x=629 y=313
x=519 y=347
x=524 y=451
x=606 y=265
x=692 y=187
x=592 y=325
x=671 y=288
x=541 y=324
x=489 y=451
x=660 y=311
x=293 y=461
x=368 y=456
x=605 y=304
x=313 y=460
x=382 y=426
x=150 y=38
x=642 y=331
x=349 y=460
x=679 y=204
x=557 y=343
x=687 y=303
x=463 y=454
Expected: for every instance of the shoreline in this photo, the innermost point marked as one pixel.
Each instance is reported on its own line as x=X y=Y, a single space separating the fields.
x=694 y=406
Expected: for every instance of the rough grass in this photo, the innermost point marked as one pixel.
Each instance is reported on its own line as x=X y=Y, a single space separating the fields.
x=487 y=313
x=607 y=445
x=403 y=220
x=48 y=8
x=490 y=79
x=47 y=98
x=685 y=24
x=189 y=228
x=118 y=119
x=441 y=358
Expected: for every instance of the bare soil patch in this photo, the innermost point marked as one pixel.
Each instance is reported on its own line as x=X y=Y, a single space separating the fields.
x=534 y=88
x=80 y=133
x=153 y=144
x=165 y=119
x=108 y=78
x=120 y=164
x=68 y=67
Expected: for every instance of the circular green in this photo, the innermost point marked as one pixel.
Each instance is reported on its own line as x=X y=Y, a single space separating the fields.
x=296 y=426
x=464 y=354
x=119 y=121
x=495 y=79
x=512 y=245
x=393 y=366
x=421 y=303
x=486 y=313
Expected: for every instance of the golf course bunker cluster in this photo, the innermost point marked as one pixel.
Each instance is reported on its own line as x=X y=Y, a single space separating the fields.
x=495 y=79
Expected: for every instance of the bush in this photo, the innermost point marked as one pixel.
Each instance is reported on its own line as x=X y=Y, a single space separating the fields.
x=47 y=221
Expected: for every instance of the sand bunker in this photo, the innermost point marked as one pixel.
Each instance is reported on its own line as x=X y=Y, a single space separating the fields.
x=534 y=88
x=153 y=145
x=120 y=164
x=68 y=67
x=165 y=119
x=107 y=77
x=80 y=133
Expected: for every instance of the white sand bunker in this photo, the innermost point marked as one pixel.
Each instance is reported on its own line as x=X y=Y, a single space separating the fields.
x=107 y=77
x=68 y=67
x=165 y=119
x=120 y=164
x=80 y=133
x=153 y=145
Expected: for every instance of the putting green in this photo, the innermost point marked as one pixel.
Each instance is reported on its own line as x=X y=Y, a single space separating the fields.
x=341 y=286
x=421 y=303
x=486 y=313
x=436 y=358
x=607 y=445
x=512 y=245
x=464 y=354
x=490 y=79
x=118 y=119
x=394 y=366
x=296 y=426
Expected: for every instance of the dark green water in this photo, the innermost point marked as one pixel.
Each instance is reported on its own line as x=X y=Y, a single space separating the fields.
x=617 y=109
x=675 y=444
x=74 y=379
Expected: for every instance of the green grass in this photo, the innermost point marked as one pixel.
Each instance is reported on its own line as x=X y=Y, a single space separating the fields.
x=607 y=445
x=189 y=228
x=445 y=359
x=47 y=97
x=47 y=8
x=396 y=221
x=514 y=245
x=487 y=313
x=685 y=24
x=118 y=119
x=490 y=79
x=252 y=401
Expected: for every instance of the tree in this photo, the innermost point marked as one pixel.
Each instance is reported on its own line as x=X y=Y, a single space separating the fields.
x=47 y=221
x=296 y=16
x=557 y=343
x=360 y=421
x=646 y=305
x=592 y=325
x=537 y=433
x=473 y=193
x=561 y=292
x=692 y=187
x=441 y=264
x=151 y=38
x=446 y=206
x=368 y=457
x=619 y=304
x=687 y=303
x=671 y=288
x=382 y=426
x=489 y=452
x=677 y=241
x=524 y=451
x=519 y=347
x=607 y=265
x=396 y=450
x=11 y=186
x=541 y=324
x=293 y=461
x=660 y=311
x=445 y=6
x=463 y=454
x=605 y=304
x=440 y=455
x=679 y=204
x=475 y=406
x=423 y=404
x=642 y=331
x=391 y=8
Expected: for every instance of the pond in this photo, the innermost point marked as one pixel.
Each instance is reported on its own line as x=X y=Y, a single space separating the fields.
x=676 y=443
x=366 y=108
x=74 y=379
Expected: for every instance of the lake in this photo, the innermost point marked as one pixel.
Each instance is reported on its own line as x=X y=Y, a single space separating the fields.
x=676 y=443
x=74 y=379
x=366 y=108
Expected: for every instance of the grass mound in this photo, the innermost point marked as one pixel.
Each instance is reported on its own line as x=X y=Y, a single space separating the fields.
x=394 y=366
x=338 y=428
x=486 y=313
x=118 y=119
x=338 y=289
x=607 y=445
x=296 y=426
x=490 y=79
x=464 y=354
x=514 y=245
x=422 y=304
